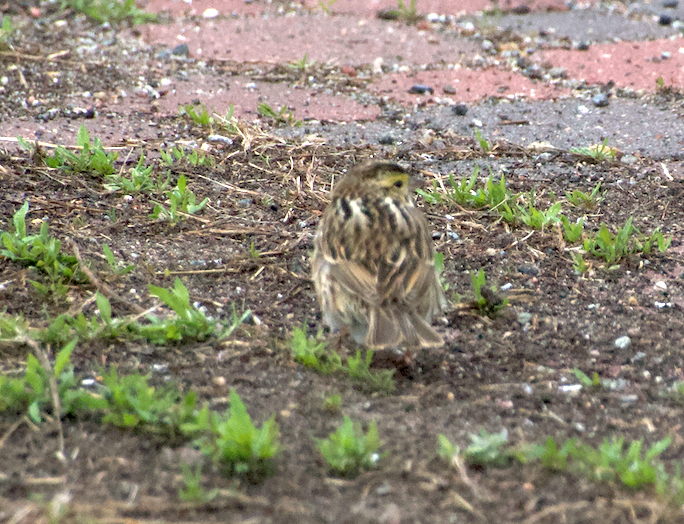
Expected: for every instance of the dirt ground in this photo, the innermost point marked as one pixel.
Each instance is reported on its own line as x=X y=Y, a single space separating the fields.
x=266 y=194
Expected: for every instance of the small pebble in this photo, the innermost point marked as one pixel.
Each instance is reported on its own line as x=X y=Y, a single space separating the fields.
x=583 y=46
x=660 y=286
x=629 y=159
x=210 y=13
x=386 y=140
x=528 y=269
x=524 y=318
x=449 y=90
x=622 y=342
x=665 y=20
x=665 y=55
x=670 y=4
x=420 y=89
x=600 y=100
x=245 y=202
x=181 y=50
x=582 y=110
x=558 y=72
x=629 y=399
x=460 y=109
x=534 y=72
x=477 y=122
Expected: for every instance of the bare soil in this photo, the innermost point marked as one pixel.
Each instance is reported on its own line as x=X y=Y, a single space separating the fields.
x=267 y=194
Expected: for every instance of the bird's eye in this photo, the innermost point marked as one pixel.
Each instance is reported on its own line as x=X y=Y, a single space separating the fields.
x=398 y=183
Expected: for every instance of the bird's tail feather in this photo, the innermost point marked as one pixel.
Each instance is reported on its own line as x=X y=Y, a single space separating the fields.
x=388 y=329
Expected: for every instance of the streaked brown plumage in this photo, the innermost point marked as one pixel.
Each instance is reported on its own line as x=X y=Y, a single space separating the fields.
x=373 y=264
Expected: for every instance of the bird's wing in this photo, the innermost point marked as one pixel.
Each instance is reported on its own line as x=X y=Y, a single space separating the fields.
x=356 y=279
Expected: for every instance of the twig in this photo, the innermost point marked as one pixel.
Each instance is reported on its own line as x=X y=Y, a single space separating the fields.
x=9 y=432
x=101 y=286
x=56 y=402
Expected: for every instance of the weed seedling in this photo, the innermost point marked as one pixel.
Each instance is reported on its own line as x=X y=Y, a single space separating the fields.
x=6 y=31
x=333 y=403
x=578 y=263
x=133 y=403
x=193 y=490
x=586 y=201
x=348 y=451
x=198 y=114
x=371 y=380
x=536 y=219
x=486 y=299
x=111 y=11
x=233 y=441
x=90 y=157
x=314 y=354
x=612 y=248
x=572 y=232
x=116 y=266
x=593 y=382
x=283 y=116
x=181 y=199
x=301 y=64
x=139 y=179
x=190 y=323
x=484 y=144
x=326 y=5
x=41 y=251
x=596 y=152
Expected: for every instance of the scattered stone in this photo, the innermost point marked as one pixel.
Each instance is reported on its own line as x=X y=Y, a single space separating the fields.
x=387 y=14
x=528 y=269
x=349 y=71
x=629 y=159
x=665 y=55
x=220 y=138
x=582 y=110
x=460 y=110
x=558 y=72
x=477 y=122
x=622 y=342
x=181 y=50
x=383 y=489
x=534 y=72
x=245 y=202
x=420 y=89
x=583 y=46
x=521 y=10
x=449 y=90
x=600 y=100
x=639 y=356
x=670 y=4
x=210 y=13
x=665 y=20
x=524 y=318
x=386 y=140
x=488 y=45
x=629 y=399
x=660 y=286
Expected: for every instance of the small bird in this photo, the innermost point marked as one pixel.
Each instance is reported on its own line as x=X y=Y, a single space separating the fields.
x=373 y=263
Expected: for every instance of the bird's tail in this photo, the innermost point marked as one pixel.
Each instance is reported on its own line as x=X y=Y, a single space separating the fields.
x=400 y=329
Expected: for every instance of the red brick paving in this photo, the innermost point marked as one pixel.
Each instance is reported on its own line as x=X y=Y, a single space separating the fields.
x=629 y=64
x=341 y=40
x=218 y=94
x=356 y=7
x=470 y=85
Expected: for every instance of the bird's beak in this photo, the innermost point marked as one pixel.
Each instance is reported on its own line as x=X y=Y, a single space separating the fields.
x=417 y=183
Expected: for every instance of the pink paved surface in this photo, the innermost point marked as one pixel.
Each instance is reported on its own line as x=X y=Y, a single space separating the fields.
x=218 y=94
x=470 y=85
x=342 y=40
x=629 y=64
x=357 y=7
